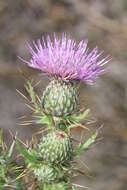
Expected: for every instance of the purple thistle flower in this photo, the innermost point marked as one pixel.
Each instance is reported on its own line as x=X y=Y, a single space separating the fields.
x=66 y=59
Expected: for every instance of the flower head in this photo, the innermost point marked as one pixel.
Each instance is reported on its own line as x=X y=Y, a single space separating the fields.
x=66 y=59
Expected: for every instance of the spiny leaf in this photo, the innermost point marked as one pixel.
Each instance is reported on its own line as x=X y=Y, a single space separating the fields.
x=24 y=152
x=75 y=125
x=30 y=90
x=10 y=151
x=2 y=170
x=82 y=147
x=32 y=94
x=72 y=126
x=80 y=117
x=2 y=184
x=46 y=119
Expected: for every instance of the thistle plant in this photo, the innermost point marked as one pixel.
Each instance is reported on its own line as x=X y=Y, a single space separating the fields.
x=51 y=160
x=9 y=167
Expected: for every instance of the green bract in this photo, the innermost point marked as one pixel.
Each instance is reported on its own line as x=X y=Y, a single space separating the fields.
x=47 y=173
x=60 y=98
x=56 y=147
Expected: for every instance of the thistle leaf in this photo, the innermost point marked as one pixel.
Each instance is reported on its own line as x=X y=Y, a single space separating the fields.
x=30 y=90
x=10 y=151
x=80 y=117
x=2 y=184
x=2 y=170
x=82 y=147
x=72 y=126
x=46 y=119
x=32 y=95
x=24 y=152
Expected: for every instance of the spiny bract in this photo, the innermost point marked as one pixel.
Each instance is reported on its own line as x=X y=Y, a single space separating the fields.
x=60 y=98
x=56 y=147
x=47 y=173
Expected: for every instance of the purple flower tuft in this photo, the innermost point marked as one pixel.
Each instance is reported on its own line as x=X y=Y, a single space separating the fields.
x=64 y=58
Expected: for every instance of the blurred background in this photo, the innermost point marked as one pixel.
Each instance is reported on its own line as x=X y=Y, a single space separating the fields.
x=104 y=23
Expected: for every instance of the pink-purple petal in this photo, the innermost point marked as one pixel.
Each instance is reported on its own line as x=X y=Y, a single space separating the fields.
x=64 y=58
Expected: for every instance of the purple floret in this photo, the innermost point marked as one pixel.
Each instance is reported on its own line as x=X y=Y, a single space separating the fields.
x=64 y=58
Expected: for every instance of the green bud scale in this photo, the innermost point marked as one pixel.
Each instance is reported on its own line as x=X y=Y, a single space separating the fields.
x=56 y=147
x=60 y=98
x=47 y=173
